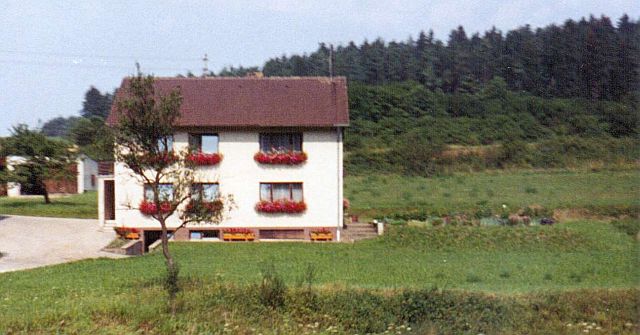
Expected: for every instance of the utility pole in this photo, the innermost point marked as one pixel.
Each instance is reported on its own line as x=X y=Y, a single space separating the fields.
x=331 y=61
x=137 y=68
x=205 y=69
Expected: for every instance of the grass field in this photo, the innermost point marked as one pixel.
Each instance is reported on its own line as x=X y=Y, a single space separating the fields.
x=380 y=194
x=497 y=280
x=83 y=206
x=502 y=260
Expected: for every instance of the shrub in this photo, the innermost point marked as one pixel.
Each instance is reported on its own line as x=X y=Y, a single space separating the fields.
x=629 y=226
x=272 y=289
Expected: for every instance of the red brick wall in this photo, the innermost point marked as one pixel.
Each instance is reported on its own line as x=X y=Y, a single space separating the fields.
x=64 y=185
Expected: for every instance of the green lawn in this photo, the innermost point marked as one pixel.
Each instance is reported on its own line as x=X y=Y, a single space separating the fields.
x=84 y=206
x=383 y=194
x=507 y=261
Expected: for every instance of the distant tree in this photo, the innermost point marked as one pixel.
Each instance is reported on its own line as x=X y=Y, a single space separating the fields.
x=237 y=71
x=96 y=103
x=145 y=122
x=58 y=126
x=94 y=137
x=44 y=159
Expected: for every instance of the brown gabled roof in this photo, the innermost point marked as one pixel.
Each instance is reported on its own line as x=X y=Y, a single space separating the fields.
x=261 y=102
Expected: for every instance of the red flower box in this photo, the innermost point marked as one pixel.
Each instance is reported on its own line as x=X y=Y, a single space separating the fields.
x=281 y=206
x=149 y=208
x=280 y=157
x=199 y=158
x=123 y=232
x=238 y=231
x=321 y=231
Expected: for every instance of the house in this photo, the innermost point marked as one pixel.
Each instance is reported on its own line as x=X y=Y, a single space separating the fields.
x=85 y=178
x=243 y=120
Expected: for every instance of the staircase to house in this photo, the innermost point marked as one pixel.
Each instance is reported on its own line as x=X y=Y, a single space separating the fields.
x=356 y=231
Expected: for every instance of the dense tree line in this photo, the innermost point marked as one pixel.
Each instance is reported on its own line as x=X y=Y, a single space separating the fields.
x=405 y=127
x=88 y=131
x=591 y=58
x=381 y=113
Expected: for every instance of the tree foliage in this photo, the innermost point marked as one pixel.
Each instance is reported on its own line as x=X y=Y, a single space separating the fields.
x=59 y=126
x=96 y=104
x=44 y=159
x=145 y=125
x=591 y=58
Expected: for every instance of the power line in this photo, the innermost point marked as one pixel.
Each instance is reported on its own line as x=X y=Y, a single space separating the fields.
x=88 y=66
x=74 y=55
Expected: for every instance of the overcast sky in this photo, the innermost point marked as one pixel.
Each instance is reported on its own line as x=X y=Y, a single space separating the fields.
x=52 y=51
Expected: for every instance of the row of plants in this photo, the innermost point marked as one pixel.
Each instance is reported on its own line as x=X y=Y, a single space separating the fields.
x=238 y=234
x=281 y=206
x=246 y=234
x=481 y=215
x=201 y=159
x=281 y=157
x=424 y=310
x=277 y=206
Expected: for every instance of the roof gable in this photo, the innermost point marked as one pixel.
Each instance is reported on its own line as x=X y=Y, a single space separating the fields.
x=261 y=102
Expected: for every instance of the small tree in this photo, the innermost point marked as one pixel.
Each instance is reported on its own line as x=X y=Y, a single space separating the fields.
x=145 y=126
x=44 y=159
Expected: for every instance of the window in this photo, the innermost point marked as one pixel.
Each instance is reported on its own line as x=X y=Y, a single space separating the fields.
x=165 y=144
x=281 y=191
x=165 y=192
x=206 y=143
x=281 y=142
x=204 y=191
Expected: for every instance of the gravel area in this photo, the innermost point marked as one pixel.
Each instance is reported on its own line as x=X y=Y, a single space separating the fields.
x=28 y=242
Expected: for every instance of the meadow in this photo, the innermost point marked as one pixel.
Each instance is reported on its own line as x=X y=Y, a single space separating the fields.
x=608 y=192
x=484 y=269
x=575 y=276
x=81 y=206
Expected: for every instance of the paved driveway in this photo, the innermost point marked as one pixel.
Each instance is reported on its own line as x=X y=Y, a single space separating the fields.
x=29 y=242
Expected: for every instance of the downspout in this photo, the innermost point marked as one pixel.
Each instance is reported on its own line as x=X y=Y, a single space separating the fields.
x=340 y=183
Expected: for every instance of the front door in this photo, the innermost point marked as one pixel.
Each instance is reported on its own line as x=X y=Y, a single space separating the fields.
x=109 y=200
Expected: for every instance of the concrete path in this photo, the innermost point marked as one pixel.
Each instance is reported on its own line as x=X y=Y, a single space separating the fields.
x=29 y=242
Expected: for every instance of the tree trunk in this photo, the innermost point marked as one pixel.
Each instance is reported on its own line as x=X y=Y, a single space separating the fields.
x=45 y=193
x=171 y=280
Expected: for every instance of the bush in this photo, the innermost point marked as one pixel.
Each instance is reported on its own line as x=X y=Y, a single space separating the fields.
x=272 y=288
x=629 y=226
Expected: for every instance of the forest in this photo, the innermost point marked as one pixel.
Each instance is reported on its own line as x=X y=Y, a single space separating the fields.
x=547 y=97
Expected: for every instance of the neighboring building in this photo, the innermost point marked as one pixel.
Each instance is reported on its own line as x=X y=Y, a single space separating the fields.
x=85 y=180
x=243 y=120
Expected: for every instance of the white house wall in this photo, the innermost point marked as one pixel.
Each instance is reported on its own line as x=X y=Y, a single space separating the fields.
x=239 y=175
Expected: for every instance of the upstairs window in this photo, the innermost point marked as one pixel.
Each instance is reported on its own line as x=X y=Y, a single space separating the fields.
x=281 y=191
x=204 y=191
x=165 y=144
x=280 y=142
x=205 y=143
x=165 y=192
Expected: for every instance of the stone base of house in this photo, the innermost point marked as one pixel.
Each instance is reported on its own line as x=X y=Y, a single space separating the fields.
x=264 y=234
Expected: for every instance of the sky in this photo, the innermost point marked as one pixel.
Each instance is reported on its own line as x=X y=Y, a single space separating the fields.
x=51 y=52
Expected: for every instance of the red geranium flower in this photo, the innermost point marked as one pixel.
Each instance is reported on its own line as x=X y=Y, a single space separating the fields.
x=322 y=230
x=149 y=208
x=238 y=231
x=199 y=158
x=281 y=206
x=280 y=157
